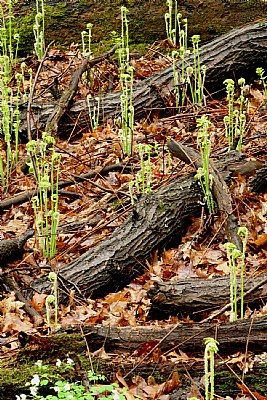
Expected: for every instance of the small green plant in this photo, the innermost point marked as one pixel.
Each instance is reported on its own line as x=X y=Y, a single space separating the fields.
x=232 y=254
x=261 y=73
x=55 y=383
x=211 y=348
x=171 y=18
x=190 y=77
x=93 y=111
x=9 y=127
x=10 y=98
x=87 y=41
x=143 y=178
x=39 y=30
x=203 y=174
x=87 y=53
x=198 y=79
x=45 y=165
x=235 y=121
x=52 y=299
x=243 y=233
x=126 y=82
x=7 y=38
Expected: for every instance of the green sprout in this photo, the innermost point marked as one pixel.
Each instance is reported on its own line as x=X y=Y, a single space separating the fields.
x=87 y=52
x=143 y=179
x=87 y=41
x=261 y=73
x=171 y=18
x=199 y=73
x=10 y=97
x=93 y=111
x=235 y=121
x=50 y=299
x=211 y=348
x=232 y=254
x=39 y=30
x=126 y=82
x=203 y=174
x=45 y=204
x=243 y=233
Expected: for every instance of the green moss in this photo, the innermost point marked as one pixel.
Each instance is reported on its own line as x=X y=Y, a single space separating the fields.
x=227 y=382
x=66 y=20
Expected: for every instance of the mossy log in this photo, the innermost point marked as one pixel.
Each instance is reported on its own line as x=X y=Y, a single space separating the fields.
x=145 y=362
x=233 y=55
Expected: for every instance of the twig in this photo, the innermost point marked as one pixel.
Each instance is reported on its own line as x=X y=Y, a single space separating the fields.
x=24 y=197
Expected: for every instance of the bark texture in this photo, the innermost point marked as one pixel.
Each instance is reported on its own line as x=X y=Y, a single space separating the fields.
x=156 y=219
x=232 y=336
x=198 y=296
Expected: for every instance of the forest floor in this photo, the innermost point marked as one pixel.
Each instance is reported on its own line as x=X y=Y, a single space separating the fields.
x=107 y=202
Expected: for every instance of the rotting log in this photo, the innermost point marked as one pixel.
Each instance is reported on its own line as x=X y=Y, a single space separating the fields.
x=233 y=55
x=129 y=365
x=196 y=296
x=156 y=219
x=232 y=336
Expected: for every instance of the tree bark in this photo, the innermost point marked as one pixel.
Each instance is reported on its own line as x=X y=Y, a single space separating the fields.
x=233 y=55
x=156 y=219
x=198 y=296
x=232 y=336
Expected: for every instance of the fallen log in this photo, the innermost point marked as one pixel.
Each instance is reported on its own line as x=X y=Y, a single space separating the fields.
x=232 y=336
x=138 y=364
x=157 y=220
x=13 y=249
x=196 y=297
x=233 y=55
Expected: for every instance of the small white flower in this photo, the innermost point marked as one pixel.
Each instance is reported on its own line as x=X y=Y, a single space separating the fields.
x=70 y=361
x=33 y=390
x=21 y=397
x=69 y=396
x=35 y=380
x=39 y=363
x=58 y=363
x=67 y=387
x=57 y=389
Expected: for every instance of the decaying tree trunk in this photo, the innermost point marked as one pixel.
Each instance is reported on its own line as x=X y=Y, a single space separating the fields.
x=196 y=296
x=144 y=359
x=233 y=55
x=156 y=219
x=232 y=336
